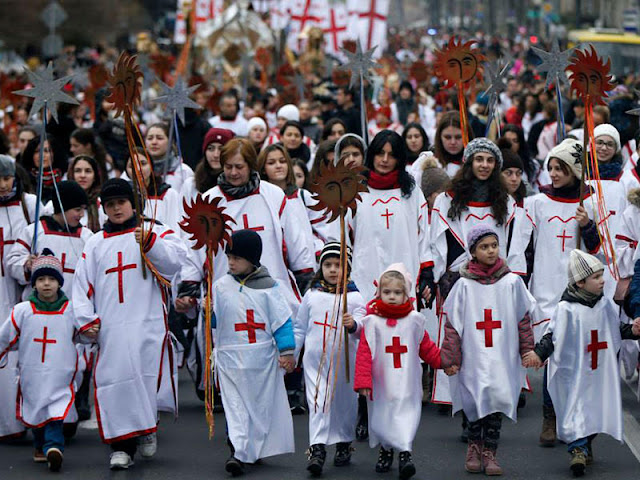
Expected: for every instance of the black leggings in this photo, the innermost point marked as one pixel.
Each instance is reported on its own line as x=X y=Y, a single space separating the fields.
x=486 y=429
x=129 y=446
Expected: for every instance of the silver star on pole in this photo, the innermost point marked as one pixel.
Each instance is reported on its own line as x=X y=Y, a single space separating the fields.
x=496 y=76
x=177 y=98
x=554 y=62
x=360 y=64
x=47 y=92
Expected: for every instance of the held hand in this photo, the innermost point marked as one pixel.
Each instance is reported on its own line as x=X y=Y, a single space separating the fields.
x=92 y=332
x=184 y=304
x=635 y=327
x=138 y=234
x=581 y=216
x=452 y=370
x=287 y=362
x=531 y=359
x=29 y=263
x=365 y=392
x=426 y=294
x=348 y=321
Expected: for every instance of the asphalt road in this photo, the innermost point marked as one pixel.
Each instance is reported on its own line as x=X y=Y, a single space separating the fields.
x=184 y=452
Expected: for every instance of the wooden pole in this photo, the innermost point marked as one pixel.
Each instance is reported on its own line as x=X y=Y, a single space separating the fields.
x=344 y=265
x=585 y=143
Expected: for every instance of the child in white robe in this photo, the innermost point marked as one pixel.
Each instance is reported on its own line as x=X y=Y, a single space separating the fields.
x=582 y=342
x=253 y=341
x=487 y=330
x=388 y=369
x=42 y=330
x=333 y=405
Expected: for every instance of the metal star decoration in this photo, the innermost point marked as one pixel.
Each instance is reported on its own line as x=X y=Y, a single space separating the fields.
x=496 y=77
x=47 y=92
x=554 y=62
x=360 y=64
x=177 y=98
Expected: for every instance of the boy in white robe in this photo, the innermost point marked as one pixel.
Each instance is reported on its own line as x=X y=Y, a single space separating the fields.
x=126 y=313
x=582 y=342
x=42 y=330
x=254 y=341
x=487 y=330
x=388 y=370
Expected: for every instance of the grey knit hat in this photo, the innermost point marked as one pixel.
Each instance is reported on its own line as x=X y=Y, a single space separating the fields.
x=477 y=233
x=7 y=166
x=582 y=265
x=485 y=145
x=434 y=178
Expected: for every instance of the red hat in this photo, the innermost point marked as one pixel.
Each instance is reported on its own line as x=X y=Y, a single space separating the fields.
x=384 y=110
x=217 y=135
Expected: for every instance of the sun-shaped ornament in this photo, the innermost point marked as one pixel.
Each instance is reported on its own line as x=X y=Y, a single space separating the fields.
x=207 y=223
x=337 y=188
x=126 y=84
x=458 y=63
x=590 y=76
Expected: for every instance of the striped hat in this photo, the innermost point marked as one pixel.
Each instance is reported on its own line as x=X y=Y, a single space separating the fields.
x=582 y=265
x=46 y=264
x=482 y=144
x=332 y=249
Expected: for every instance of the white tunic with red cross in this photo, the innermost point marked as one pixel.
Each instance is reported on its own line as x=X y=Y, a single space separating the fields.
x=555 y=234
x=333 y=405
x=246 y=360
x=285 y=246
x=486 y=317
x=48 y=360
x=584 y=376
x=389 y=228
x=134 y=339
x=67 y=247
x=627 y=239
x=396 y=406
x=14 y=216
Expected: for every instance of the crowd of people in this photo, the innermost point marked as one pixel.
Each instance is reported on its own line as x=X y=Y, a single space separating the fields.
x=466 y=265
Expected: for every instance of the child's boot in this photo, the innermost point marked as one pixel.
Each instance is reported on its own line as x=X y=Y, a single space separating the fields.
x=406 y=468
x=578 y=462
x=548 y=434
x=54 y=459
x=385 y=460
x=490 y=462
x=234 y=466
x=316 y=456
x=343 y=454
x=473 y=462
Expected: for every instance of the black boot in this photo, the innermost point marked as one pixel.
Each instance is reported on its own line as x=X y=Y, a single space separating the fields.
x=362 y=427
x=343 y=454
x=234 y=466
x=385 y=460
x=316 y=456
x=406 y=468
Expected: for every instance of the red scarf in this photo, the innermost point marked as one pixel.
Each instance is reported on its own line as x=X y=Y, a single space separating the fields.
x=391 y=312
x=384 y=182
x=482 y=270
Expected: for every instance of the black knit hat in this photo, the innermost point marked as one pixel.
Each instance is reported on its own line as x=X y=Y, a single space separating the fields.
x=46 y=264
x=510 y=159
x=71 y=195
x=116 y=188
x=246 y=244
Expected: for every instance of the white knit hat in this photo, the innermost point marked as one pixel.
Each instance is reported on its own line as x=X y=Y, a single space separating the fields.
x=290 y=112
x=570 y=153
x=256 y=122
x=582 y=265
x=608 y=129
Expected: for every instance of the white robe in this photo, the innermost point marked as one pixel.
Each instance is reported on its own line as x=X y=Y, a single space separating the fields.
x=165 y=208
x=246 y=361
x=491 y=374
x=389 y=228
x=333 y=405
x=134 y=338
x=583 y=377
x=394 y=411
x=630 y=180
x=47 y=362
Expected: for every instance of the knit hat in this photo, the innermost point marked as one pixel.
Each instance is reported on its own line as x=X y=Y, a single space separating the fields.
x=332 y=249
x=116 y=188
x=582 y=265
x=256 y=122
x=510 y=159
x=485 y=145
x=477 y=233
x=434 y=178
x=290 y=112
x=71 y=195
x=246 y=244
x=400 y=268
x=7 y=166
x=46 y=264
x=217 y=135
x=569 y=151
x=608 y=129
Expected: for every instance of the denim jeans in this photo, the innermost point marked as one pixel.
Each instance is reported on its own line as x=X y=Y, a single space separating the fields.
x=49 y=436
x=583 y=443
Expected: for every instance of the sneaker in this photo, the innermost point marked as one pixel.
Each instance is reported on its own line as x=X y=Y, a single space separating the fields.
x=147 y=445
x=54 y=459
x=473 y=461
x=343 y=454
x=316 y=456
x=490 y=463
x=234 y=466
x=578 y=462
x=120 y=461
x=406 y=468
x=385 y=460
x=39 y=456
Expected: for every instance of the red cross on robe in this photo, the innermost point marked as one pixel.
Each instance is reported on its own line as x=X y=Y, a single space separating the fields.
x=119 y=269
x=488 y=325
x=245 y=224
x=250 y=327
x=44 y=341
x=324 y=326
x=594 y=347
x=63 y=262
x=396 y=349
x=564 y=238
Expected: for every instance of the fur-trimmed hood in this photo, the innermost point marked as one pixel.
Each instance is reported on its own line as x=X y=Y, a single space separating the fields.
x=634 y=197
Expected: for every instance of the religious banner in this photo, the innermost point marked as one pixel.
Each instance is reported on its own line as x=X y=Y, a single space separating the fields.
x=304 y=14
x=368 y=22
x=335 y=28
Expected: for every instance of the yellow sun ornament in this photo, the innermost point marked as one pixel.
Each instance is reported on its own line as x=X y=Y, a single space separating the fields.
x=590 y=76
